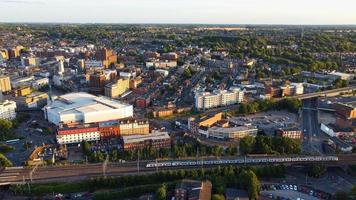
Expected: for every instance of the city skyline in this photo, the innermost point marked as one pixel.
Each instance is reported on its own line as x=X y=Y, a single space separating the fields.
x=197 y=12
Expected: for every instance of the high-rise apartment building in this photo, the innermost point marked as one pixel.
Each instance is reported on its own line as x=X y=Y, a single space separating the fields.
x=15 y=52
x=7 y=110
x=108 y=57
x=29 y=61
x=207 y=100
x=116 y=89
x=5 y=84
x=60 y=67
x=97 y=83
x=4 y=54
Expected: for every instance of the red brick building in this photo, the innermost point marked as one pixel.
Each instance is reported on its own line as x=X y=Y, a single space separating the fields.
x=193 y=190
x=109 y=129
x=142 y=102
x=97 y=83
x=293 y=133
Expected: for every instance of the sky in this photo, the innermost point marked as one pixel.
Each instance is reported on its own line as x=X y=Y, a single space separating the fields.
x=180 y=11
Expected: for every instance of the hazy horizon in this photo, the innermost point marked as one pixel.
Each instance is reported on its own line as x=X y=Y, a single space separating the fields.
x=227 y=12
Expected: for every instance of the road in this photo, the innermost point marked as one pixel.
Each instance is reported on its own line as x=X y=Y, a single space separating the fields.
x=186 y=96
x=82 y=171
x=312 y=142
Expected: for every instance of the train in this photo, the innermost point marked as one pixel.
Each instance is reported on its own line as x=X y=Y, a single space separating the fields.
x=244 y=160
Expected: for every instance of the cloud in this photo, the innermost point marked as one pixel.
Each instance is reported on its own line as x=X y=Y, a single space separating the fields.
x=22 y=1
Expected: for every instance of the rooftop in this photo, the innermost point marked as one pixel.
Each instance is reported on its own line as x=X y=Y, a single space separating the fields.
x=140 y=138
x=77 y=130
x=290 y=129
x=232 y=129
x=83 y=102
x=6 y=102
x=340 y=74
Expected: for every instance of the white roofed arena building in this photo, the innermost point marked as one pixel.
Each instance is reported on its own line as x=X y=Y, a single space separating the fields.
x=85 y=108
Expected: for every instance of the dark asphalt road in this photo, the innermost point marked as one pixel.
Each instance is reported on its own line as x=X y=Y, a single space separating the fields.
x=311 y=128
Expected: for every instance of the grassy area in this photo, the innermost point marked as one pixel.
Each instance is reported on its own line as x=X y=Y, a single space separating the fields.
x=6 y=148
x=129 y=192
x=42 y=189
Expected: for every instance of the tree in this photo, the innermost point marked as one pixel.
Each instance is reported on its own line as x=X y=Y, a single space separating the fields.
x=290 y=104
x=161 y=193
x=340 y=195
x=5 y=125
x=86 y=147
x=315 y=170
x=172 y=37
x=4 y=162
x=218 y=197
x=353 y=191
x=284 y=145
x=114 y=155
x=187 y=73
x=230 y=150
x=253 y=187
x=217 y=150
x=262 y=145
x=247 y=144
x=243 y=108
x=250 y=182
x=338 y=83
x=219 y=184
x=6 y=148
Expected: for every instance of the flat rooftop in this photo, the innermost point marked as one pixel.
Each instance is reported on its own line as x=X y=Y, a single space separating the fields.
x=141 y=138
x=233 y=129
x=82 y=102
x=6 y=102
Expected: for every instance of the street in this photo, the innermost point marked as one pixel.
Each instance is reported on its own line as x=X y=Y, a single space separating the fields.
x=310 y=124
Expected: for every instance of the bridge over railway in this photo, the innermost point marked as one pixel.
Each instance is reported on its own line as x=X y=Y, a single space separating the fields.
x=22 y=175
x=326 y=93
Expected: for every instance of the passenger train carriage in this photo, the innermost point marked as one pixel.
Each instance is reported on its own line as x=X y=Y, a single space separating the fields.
x=245 y=160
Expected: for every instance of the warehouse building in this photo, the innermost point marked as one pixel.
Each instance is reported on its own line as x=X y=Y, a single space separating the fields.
x=85 y=108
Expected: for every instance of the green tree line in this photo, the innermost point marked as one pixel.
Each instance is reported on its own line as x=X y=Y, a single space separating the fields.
x=220 y=177
x=269 y=145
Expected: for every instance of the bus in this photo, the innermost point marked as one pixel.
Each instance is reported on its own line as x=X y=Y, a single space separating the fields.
x=14 y=141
